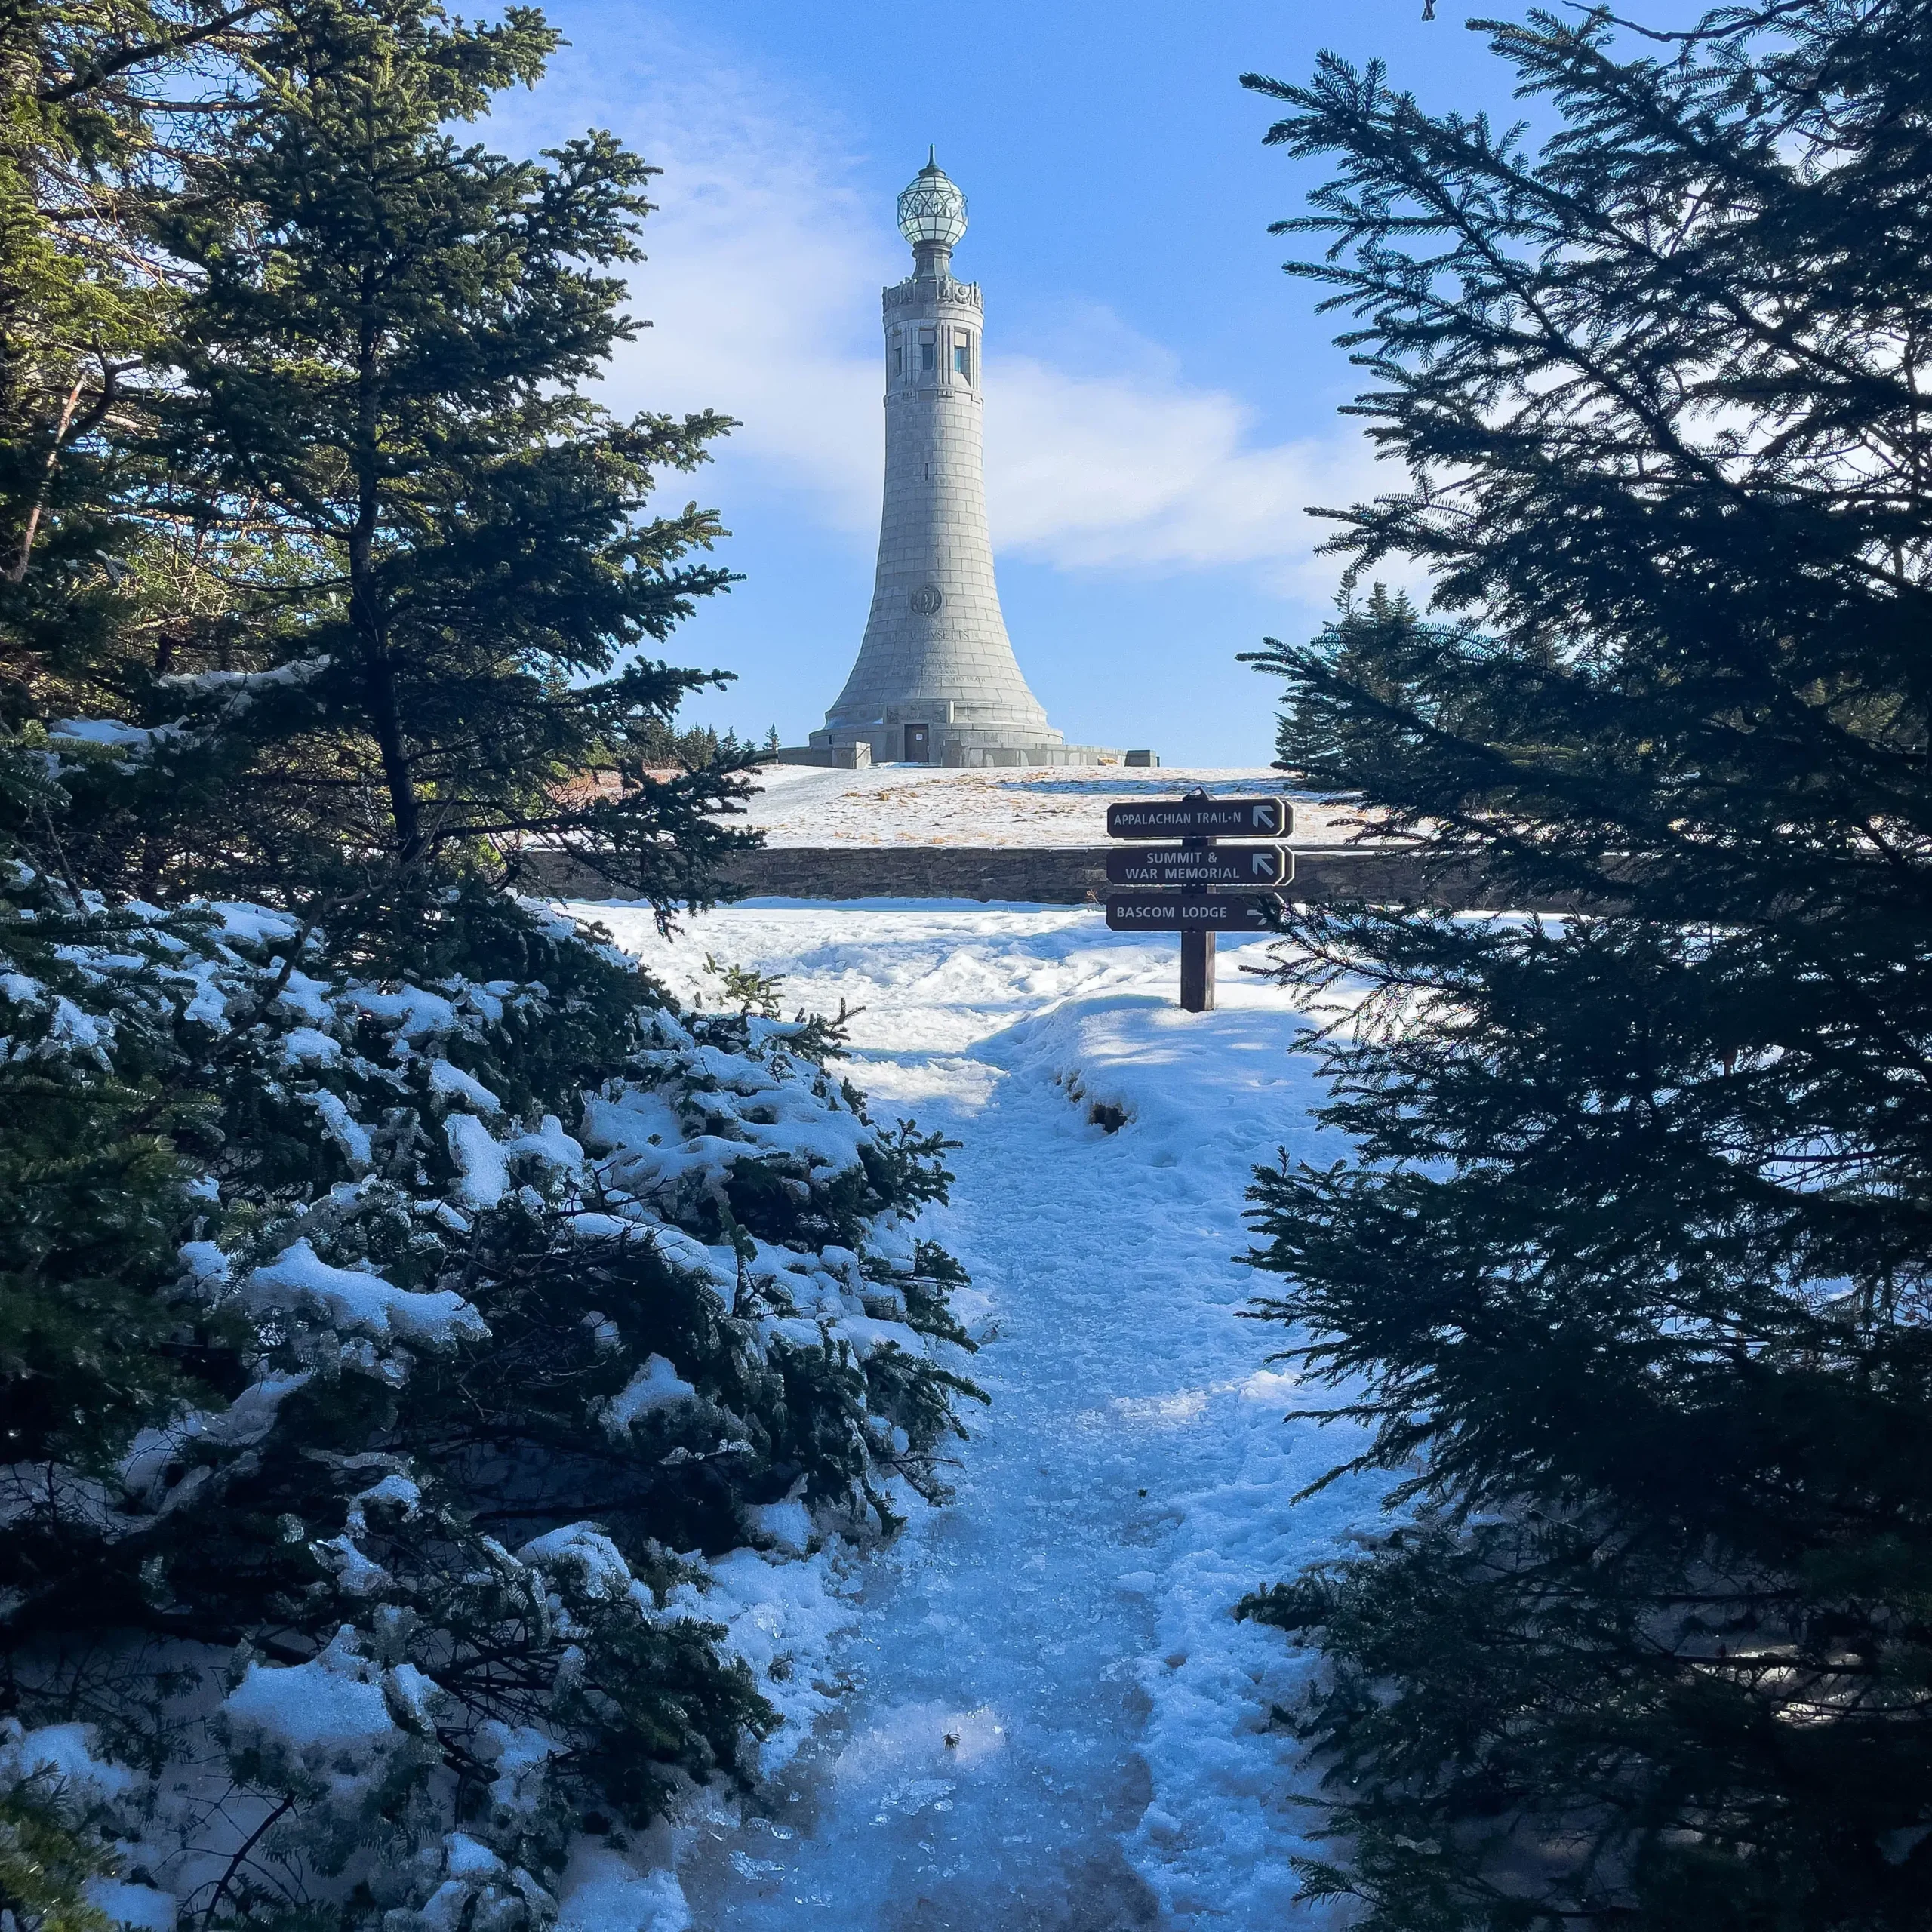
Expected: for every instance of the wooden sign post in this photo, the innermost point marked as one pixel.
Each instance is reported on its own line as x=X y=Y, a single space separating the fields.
x=1224 y=888
x=1197 y=972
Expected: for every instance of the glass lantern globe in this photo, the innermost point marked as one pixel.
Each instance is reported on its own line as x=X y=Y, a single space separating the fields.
x=932 y=209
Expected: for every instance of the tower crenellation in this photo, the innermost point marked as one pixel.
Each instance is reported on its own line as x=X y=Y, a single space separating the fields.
x=937 y=681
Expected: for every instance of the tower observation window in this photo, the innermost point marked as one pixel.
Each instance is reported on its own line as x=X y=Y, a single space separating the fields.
x=899 y=358
x=962 y=357
x=928 y=352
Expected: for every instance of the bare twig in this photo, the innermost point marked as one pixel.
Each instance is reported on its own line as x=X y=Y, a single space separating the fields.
x=241 y=1857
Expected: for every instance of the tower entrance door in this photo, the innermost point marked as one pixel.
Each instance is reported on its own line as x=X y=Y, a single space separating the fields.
x=918 y=744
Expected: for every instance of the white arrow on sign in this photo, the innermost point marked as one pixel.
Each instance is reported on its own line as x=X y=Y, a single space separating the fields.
x=1262 y=865
x=1264 y=818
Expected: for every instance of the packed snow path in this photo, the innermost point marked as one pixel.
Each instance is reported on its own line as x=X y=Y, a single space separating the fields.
x=1051 y=1718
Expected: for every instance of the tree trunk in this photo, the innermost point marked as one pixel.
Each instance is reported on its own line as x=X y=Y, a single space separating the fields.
x=378 y=667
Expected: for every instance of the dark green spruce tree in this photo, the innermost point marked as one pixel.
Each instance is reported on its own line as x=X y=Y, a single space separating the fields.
x=1630 y=1278
x=91 y=1208
x=88 y=135
x=378 y=416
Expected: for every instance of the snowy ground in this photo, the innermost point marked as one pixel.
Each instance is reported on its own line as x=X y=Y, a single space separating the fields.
x=917 y=804
x=1051 y=1718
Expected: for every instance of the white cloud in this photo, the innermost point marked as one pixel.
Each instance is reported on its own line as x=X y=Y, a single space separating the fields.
x=1156 y=475
x=763 y=290
x=761 y=283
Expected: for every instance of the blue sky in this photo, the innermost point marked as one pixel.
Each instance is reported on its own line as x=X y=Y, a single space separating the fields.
x=1161 y=400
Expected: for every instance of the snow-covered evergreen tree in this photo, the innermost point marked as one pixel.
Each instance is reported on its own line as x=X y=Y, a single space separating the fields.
x=1630 y=1276
x=445 y=1408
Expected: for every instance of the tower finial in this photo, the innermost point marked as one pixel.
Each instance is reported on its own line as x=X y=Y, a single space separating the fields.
x=932 y=211
x=932 y=154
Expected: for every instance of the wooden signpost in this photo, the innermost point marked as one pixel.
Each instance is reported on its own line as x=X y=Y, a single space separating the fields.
x=1222 y=888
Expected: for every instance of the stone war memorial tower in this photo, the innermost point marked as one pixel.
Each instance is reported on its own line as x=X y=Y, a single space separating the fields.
x=936 y=682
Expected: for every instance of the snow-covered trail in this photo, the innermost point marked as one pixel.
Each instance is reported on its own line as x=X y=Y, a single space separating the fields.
x=1053 y=1721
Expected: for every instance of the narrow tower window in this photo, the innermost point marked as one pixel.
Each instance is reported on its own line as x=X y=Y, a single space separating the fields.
x=962 y=356
x=928 y=352
x=899 y=358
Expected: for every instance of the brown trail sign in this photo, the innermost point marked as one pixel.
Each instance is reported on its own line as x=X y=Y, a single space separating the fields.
x=1203 y=868
x=1198 y=816
x=1204 y=912
x=1246 y=875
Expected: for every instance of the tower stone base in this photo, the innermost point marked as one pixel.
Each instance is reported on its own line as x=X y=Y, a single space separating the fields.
x=975 y=756
x=936 y=735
